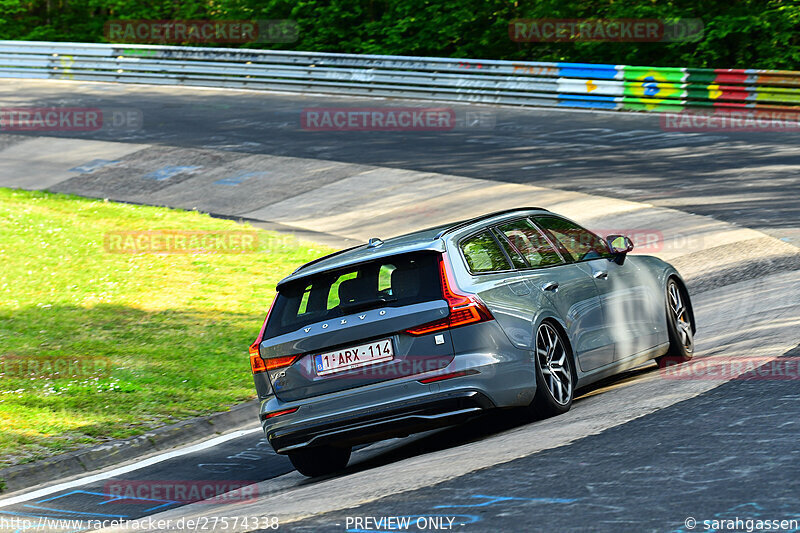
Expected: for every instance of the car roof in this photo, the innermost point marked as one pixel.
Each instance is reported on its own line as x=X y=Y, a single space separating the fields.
x=429 y=239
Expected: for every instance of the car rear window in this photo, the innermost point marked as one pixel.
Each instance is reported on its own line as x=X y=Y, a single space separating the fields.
x=387 y=282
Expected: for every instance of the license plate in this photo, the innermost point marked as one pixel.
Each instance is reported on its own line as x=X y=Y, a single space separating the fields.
x=354 y=357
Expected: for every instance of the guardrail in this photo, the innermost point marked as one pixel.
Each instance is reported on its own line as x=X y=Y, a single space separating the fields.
x=526 y=83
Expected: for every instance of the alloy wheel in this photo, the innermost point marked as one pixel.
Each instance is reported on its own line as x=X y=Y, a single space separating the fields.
x=683 y=323
x=553 y=361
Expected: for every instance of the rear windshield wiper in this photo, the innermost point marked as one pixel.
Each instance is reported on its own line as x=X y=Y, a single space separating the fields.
x=365 y=304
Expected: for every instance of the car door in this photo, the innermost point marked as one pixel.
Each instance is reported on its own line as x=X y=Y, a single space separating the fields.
x=631 y=301
x=569 y=288
x=626 y=292
x=497 y=282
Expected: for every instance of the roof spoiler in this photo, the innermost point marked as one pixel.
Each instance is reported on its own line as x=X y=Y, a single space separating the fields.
x=485 y=217
x=324 y=257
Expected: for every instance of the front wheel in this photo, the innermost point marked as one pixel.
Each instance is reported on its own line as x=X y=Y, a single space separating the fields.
x=680 y=326
x=320 y=461
x=554 y=376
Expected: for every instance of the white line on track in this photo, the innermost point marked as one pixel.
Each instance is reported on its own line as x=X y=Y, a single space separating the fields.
x=128 y=468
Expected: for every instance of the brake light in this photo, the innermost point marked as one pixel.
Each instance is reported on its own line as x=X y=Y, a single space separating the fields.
x=464 y=308
x=259 y=364
x=256 y=363
x=279 y=362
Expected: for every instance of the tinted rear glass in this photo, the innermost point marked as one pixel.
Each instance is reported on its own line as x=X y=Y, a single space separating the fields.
x=388 y=282
x=483 y=254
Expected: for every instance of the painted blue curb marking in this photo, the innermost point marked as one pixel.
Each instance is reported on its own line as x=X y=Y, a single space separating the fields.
x=111 y=498
x=167 y=172
x=73 y=492
x=239 y=178
x=496 y=499
x=119 y=497
x=59 y=514
x=92 y=165
x=80 y=513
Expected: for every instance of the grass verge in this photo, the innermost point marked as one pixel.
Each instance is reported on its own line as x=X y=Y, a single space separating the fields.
x=97 y=345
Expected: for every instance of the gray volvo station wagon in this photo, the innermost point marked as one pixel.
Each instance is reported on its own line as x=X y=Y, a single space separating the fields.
x=514 y=309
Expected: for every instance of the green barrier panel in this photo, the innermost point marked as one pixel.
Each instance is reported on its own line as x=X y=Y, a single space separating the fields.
x=777 y=94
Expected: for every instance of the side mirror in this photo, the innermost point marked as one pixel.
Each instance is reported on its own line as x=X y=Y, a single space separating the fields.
x=619 y=244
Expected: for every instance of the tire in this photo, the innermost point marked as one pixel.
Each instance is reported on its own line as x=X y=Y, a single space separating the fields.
x=555 y=378
x=680 y=325
x=320 y=461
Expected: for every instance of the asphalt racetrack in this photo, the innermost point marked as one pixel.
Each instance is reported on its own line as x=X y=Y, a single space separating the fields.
x=641 y=452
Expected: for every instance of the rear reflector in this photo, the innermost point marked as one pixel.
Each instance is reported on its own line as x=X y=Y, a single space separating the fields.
x=464 y=308
x=279 y=413
x=458 y=374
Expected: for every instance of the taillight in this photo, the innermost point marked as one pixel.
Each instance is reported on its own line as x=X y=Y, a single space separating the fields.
x=464 y=308
x=258 y=363
x=279 y=362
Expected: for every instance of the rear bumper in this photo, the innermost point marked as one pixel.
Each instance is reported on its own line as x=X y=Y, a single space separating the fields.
x=393 y=420
x=497 y=374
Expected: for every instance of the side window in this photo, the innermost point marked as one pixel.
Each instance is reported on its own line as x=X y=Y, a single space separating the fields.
x=483 y=254
x=515 y=256
x=581 y=243
x=530 y=243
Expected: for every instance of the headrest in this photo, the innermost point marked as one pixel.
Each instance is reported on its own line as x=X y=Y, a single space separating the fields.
x=405 y=283
x=353 y=290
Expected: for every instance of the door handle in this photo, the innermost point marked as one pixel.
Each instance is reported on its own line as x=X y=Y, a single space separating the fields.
x=600 y=274
x=550 y=286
